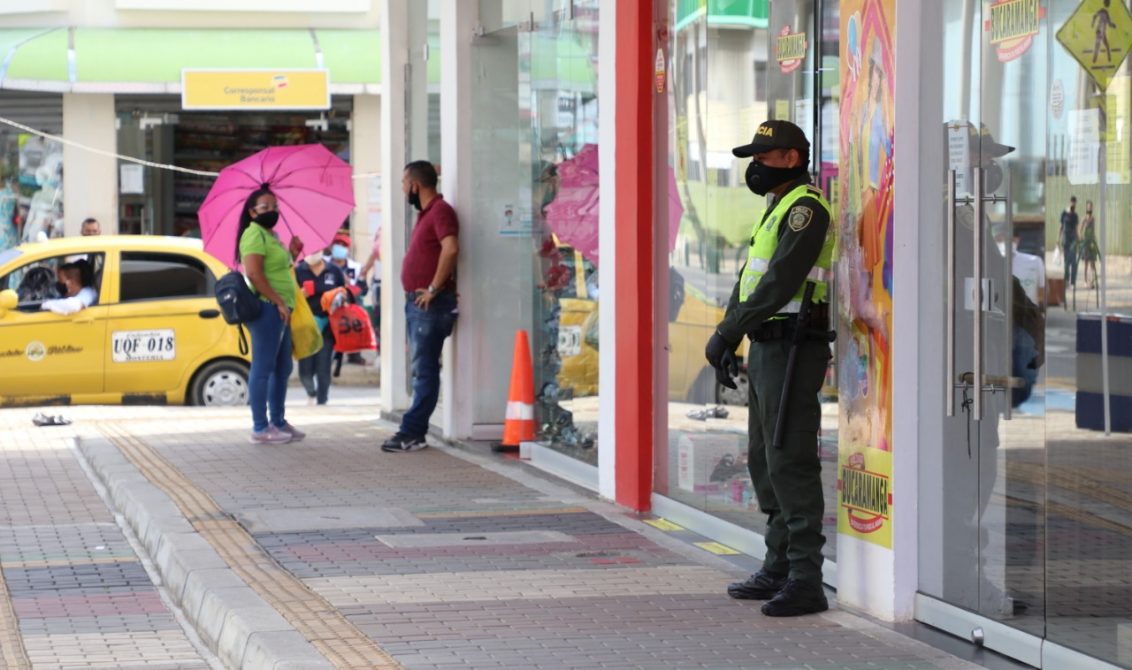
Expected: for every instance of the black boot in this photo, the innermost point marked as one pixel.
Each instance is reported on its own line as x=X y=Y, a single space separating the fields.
x=762 y=585
x=797 y=598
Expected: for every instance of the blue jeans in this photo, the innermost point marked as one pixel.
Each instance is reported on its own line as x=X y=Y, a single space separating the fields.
x=1070 y=262
x=271 y=366
x=314 y=371
x=426 y=329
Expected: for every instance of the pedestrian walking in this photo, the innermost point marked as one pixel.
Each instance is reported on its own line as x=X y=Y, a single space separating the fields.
x=428 y=275
x=1090 y=250
x=780 y=304
x=268 y=266
x=356 y=281
x=1067 y=238
x=316 y=277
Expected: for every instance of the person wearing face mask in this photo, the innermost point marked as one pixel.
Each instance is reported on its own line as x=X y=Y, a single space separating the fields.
x=428 y=275
x=790 y=246
x=355 y=280
x=268 y=264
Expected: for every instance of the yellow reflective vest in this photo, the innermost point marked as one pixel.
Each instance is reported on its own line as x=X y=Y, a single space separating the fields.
x=764 y=242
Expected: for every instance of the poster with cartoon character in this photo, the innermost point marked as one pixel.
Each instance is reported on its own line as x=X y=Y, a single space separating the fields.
x=864 y=269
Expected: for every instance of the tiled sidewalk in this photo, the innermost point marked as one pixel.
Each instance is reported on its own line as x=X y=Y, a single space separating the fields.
x=73 y=594
x=443 y=563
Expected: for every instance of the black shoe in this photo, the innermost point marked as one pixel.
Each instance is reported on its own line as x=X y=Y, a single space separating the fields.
x=401 y=442
x=797 y=598
x=760 y=586
x=355 y=359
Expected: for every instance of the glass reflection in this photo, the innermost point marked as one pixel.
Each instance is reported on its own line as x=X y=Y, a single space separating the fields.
x=720 y=74
x=558 y=76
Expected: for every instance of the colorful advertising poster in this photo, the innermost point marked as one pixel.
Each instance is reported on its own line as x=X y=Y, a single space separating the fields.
x=864 y=270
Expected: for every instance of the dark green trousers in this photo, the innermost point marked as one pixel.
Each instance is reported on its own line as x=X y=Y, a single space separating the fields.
x=788 y=480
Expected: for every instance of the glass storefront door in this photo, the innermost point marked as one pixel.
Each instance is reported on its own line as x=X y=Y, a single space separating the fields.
x=988 y=534
x=1024 y=513
x=535 y=115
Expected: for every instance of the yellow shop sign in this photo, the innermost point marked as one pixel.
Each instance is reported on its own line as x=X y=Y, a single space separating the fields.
x=255 y=89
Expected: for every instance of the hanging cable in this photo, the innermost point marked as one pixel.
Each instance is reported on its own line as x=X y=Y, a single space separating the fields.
x=130 y=159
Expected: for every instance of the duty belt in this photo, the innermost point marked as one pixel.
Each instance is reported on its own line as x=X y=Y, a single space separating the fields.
x=783 y=328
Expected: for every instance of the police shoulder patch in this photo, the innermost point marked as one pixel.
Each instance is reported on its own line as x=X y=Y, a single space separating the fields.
x=799 y=217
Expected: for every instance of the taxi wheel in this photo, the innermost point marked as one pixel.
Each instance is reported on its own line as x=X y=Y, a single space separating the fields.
x=736 y=397
x=220 y=384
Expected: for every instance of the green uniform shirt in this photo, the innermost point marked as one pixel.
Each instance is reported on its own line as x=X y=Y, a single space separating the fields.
x=794 y=258
x=276 y=260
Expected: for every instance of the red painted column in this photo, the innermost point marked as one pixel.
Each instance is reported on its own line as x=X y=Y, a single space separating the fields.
x=634 y=248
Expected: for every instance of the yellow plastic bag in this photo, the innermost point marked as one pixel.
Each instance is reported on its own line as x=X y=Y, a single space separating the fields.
x=306 y=337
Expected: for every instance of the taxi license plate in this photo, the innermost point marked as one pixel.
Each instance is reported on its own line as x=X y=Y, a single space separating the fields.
x=569 y=341
x=134 y=346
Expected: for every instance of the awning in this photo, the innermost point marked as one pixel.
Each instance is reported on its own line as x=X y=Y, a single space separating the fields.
x=145 y=60
x=723 y=13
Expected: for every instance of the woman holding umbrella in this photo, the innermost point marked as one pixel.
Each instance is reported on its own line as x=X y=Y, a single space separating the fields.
x=268 y=266
x=307 y=191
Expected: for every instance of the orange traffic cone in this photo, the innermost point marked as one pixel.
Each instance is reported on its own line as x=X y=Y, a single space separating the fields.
x=519 y=424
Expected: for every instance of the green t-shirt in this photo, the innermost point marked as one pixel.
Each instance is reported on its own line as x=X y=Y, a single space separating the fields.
x=276 y=260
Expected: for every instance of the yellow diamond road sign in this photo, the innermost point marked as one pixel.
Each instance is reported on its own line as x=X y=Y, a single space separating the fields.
x=1098 y=34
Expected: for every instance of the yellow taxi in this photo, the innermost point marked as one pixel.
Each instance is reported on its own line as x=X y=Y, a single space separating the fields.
x=154 y=334
x=692 y=319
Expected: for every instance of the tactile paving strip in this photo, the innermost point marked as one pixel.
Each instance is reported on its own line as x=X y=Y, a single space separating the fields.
x=315 y=618
x=13 y=656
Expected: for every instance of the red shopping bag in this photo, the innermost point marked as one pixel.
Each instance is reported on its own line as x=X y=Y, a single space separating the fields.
x=352 y=330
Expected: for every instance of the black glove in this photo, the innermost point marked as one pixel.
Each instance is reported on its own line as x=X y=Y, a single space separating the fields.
x=728 y=369
x=716 y=347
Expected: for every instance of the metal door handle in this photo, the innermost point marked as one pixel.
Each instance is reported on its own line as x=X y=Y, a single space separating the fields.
x=991 y=382
x=950 y=331
x=1008 y=414
x=208 y=313
x=977 y=333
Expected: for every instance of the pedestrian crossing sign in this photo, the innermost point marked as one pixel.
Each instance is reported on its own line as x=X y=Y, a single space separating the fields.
x=1098 y=34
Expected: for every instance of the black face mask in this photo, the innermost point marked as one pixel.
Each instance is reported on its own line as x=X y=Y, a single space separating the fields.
x=415 y=199
x=763 y=179
x=268 y=219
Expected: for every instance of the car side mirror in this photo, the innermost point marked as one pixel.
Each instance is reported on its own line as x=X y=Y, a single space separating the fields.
x=8 y=301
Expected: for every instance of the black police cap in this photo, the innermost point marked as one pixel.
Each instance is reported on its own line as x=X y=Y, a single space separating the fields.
x=775 y=135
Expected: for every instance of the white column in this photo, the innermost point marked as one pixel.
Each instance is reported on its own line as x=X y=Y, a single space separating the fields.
x=394 y=56
x=365 y=156
x=607 y=229
x=458 y=19
x=90 y=180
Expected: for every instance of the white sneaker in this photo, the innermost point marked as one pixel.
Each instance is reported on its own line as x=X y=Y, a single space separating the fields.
x=270 y=436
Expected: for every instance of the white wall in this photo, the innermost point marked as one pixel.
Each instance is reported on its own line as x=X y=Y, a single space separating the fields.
x=90 y=181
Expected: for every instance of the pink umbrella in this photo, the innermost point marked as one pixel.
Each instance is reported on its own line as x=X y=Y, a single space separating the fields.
x=314 y=188
x=575 y=211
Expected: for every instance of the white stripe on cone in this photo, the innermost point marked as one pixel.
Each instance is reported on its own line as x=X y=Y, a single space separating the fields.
x=520 y=411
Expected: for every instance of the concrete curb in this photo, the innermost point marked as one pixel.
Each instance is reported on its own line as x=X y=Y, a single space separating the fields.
x=239 y=626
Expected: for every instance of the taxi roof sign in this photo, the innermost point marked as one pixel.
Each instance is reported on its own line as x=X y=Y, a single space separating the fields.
x=1098 y=34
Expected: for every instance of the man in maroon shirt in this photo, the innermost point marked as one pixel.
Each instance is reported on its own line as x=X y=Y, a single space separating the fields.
x=428 y=275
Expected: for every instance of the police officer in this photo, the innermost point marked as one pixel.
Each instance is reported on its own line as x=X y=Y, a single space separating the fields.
x=791 y=245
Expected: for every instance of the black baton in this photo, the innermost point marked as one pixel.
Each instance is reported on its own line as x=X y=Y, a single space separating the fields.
x=801 y=333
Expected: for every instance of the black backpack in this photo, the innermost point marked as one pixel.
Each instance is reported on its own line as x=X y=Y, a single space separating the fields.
x=238 y=304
